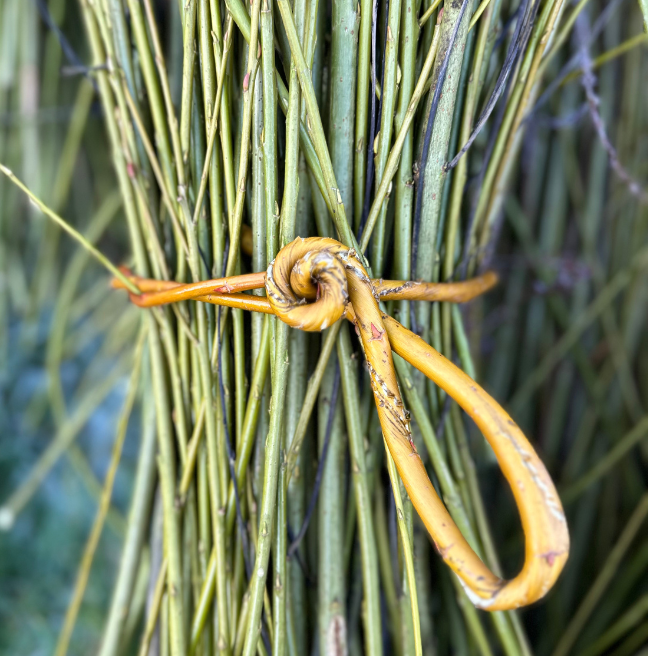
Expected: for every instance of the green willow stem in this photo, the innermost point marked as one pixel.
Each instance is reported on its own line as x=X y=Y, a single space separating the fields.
x=630 y=619
x=434 y=173
x=367 y=537
x=70 y=150
x=152 y=81
x=342 y=82
x=108 y=101
x=269 y=138
x=562 y=34
x=170 y=112
x=363 y=91
x=280 y=570
x=180 y=414
x=483 y=5
x=460 y=174
x=274 y=439
x=287 y=234
x=428 y=13
x=225 y=117
x=610 y=55
x=299 y=343
x=211 y=107
x=188 y=34
x=404 y=187
x=87 y=559
x=251 y=418
x=216 y=456
x=156 y=607
x=389 y=94
x=332 y=588
x=316 y=129
x=242 y=20
x=291 y=175
x=270 y=483
x=134 y=538
x=394 y=156
x=406 y=550
x=112 y=23
x=258 y=217
x=210 y=171
x=65 y=167
x=67 y=290
x=310 y=398
x=75 y=234
x=115 y=520
x=509 y=136
x=165 y=187
x=386 y=573
x=166 y=464
x=195 y=442
x=248 y=94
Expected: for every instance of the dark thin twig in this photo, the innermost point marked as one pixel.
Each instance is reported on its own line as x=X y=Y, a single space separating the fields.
x=69 y=52
x=428 y=134
x=462 y=268
x=294 y=545
x=478 y=181
x=588 y=81
x=445 y=411
x=203 y=257
x=375 y=119
x=599 y=26
x=72 y=71
x=521 y=36
x=569 y=120
x=413 y=322
x=231 y=456
x=310 y=579
x=506 y=29
x=502 y=87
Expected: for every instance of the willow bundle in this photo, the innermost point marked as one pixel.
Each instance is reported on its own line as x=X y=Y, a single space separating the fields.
x=426 y=142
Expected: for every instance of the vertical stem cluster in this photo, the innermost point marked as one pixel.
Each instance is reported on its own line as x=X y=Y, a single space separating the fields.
x=235 y=128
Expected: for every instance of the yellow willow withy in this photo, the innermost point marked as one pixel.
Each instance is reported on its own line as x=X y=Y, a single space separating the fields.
x=313 y=283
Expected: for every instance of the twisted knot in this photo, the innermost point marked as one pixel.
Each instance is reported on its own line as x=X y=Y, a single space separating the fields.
x=315 y=270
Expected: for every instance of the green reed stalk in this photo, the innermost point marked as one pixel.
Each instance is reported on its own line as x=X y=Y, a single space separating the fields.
x=388 y=100
x=366 y=535
x=97 y=526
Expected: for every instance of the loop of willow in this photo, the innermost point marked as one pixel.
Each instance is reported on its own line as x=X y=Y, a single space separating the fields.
x=316 y=281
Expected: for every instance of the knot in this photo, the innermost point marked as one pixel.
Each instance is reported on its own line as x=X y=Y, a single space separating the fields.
x=314 y=270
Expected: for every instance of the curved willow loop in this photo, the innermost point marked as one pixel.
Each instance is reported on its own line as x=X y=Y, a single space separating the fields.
x=330 y=275
x=541 y=512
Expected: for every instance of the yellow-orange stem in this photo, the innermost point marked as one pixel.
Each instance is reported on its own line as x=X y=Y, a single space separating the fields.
x=330 y=276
